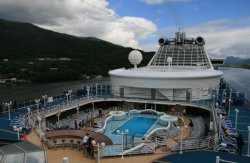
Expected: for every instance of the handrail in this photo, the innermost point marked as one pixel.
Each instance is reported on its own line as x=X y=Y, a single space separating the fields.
x=193 y=144
x=64 y=106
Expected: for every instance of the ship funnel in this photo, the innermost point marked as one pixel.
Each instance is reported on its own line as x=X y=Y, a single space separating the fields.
x=200 y=41
x=162 y=41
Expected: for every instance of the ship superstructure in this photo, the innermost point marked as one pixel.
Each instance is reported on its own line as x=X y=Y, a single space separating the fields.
x=179 y=71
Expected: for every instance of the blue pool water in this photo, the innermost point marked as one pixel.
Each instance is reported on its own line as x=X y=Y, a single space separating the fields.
x=137 y=126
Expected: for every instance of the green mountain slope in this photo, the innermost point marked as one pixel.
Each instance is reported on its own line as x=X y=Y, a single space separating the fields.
x=23 y=42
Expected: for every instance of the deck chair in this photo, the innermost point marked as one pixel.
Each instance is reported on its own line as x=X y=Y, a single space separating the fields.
x=226 y=147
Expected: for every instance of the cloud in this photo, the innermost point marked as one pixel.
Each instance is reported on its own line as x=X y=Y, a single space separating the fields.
x=81 y=18
x=223 y=38
x=153 y=2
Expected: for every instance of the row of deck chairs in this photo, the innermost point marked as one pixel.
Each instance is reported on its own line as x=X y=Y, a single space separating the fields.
x=198 y=127
x=228 y=133
x=195 y=136
x=69 y=121
x=22 y=119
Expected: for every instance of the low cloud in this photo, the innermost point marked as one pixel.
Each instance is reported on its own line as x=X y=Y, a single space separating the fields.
x=81 y=18
x=223 y=37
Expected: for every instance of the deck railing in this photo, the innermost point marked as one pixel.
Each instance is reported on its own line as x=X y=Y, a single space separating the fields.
x=195 y=144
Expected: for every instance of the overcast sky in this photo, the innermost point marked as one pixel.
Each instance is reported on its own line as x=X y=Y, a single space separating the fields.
x=225 y=24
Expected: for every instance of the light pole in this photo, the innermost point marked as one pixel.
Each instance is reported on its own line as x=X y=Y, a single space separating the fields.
x=88 y=89
x=220 y=125
x=28 y=109
x=37 y=103
x=8 y=105
x=236 y=118
x=118 y=131
x=216 y=104
x=213 y=100
x=67 y=96
x=248 y=142
x=96 y=89
x=17 y=129
x=126 y=143
x=58 y=118
x=181 y=129
x=98 y=145
x=224 y=100
x=230 y=95
x=39 y=122
x=217 y=97
x=77 y=111
x=44 y=100
x=69 y=91
x=229 y=106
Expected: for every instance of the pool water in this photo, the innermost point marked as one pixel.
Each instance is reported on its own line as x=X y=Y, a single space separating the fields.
x=137 y=126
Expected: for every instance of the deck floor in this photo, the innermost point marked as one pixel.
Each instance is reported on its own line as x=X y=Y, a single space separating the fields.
x=75 y=156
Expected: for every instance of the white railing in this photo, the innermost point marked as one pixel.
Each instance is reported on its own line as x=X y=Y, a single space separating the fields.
x=195 y=144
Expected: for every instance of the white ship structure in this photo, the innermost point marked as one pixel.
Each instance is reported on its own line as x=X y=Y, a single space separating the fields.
x=179 y=71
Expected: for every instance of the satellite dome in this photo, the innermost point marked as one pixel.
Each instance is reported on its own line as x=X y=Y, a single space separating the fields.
x=135 y=57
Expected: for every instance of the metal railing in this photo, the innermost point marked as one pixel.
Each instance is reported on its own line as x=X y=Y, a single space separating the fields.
x=195 y=144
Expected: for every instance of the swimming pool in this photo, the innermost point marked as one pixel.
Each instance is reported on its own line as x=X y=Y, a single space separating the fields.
x=137 y=126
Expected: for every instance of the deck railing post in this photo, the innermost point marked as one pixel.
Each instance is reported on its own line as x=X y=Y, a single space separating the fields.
x=217 y=159
x=248 y=142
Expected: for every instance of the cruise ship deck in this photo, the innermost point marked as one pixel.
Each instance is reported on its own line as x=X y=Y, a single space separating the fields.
x=193 y=114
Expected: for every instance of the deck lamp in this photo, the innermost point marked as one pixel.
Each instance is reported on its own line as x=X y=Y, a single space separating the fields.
x=248 y=142
x=118 y=131
x=44 y=100
x=213 y=100
x=37 y=103
x=216 y=104
x=220 y=125
x=28 y=109
x=181 y=129
x=69 y=94
x=229 y=106
x=39 y=122
x=17 y=129
x=88 y=89
x=230 y=94
x=126 y=132
x=8 y=105
x=236 y=118
x=98 y=146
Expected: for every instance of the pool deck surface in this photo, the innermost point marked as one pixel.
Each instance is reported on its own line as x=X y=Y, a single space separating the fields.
x=75 y=156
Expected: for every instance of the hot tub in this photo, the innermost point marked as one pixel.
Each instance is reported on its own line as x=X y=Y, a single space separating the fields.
x=118 y=115
x=165 y=119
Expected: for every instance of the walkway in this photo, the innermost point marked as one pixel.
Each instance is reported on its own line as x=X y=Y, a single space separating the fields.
x=242 y=124
x=202 y=157
x=75 y=156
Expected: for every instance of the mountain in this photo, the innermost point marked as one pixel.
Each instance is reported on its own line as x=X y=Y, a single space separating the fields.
x=26 y=41
x=22 y=43
x=237 y=60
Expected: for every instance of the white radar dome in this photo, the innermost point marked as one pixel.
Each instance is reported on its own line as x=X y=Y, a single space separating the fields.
x=135 y=57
